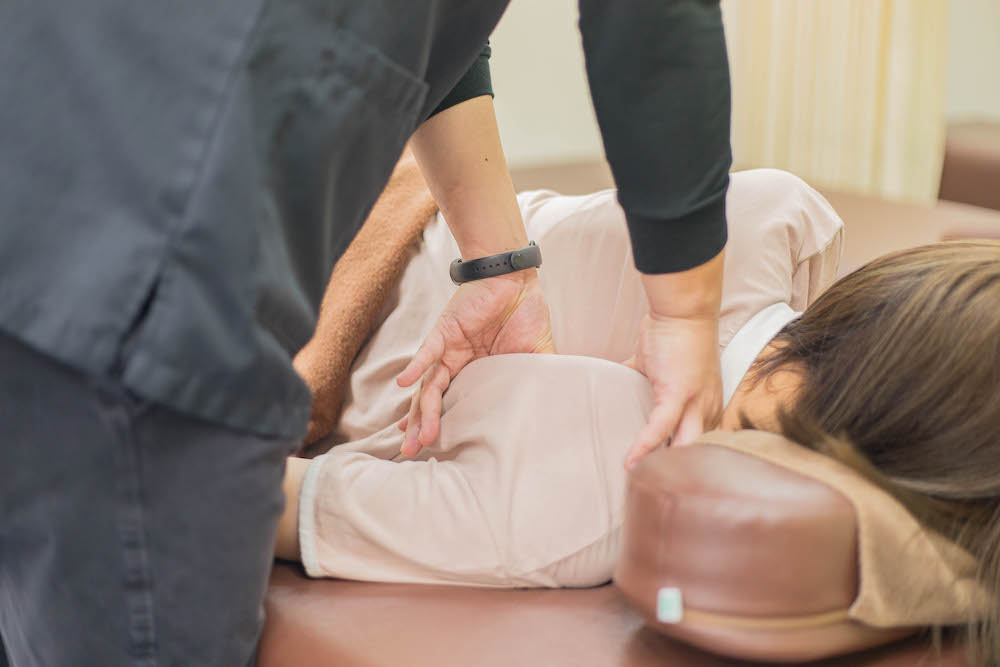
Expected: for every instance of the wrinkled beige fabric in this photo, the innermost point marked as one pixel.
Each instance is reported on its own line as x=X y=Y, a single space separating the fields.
x=909 y=576
x=525 y=486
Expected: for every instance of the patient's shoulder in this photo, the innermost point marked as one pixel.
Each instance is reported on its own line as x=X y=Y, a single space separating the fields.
x=543 y=210
x=784 y=210
x=784 y=245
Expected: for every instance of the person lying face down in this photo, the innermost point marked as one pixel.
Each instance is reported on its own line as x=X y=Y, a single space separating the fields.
x=525 y=484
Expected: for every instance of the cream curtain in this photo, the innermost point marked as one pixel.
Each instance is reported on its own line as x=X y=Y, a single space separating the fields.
x=847 y=94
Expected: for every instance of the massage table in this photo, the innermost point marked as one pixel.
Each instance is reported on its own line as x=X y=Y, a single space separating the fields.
x=355 y=624
x=332 y=622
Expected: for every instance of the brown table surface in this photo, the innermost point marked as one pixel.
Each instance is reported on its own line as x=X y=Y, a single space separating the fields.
x=358 y=624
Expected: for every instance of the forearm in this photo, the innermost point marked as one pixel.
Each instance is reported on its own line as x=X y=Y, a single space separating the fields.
x=461 y=158
x=358 y=286
x=379 y=248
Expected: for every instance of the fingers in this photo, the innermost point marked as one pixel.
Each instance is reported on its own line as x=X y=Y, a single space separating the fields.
x=661 y=425
x=411 y=444
x=691 y=426
x=428 y=354
x=422 y=424
x=434 y=385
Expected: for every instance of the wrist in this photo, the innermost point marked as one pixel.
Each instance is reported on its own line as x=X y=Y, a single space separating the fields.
x=480 y=250
x=488 y=237
x=524 y=277
x=496 y=266
x=485 y=221
x=693 y=294
x=690 y=308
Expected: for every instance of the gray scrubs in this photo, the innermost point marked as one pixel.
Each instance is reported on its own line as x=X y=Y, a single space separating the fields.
x=176 y=181
x=177 y=178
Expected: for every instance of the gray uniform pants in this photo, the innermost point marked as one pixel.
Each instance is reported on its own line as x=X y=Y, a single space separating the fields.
x=129 y=534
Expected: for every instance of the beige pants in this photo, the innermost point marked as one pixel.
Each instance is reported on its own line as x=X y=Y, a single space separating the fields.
x=525 y=486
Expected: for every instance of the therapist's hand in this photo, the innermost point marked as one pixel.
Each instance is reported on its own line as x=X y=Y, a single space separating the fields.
x=678 y=351
x=681 y=359
x=501 y=315
x=461 y=158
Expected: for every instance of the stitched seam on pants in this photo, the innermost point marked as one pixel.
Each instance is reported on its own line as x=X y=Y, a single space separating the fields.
x=138 y=580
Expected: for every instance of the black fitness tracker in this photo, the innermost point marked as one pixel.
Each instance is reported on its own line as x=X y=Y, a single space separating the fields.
x=496 y=265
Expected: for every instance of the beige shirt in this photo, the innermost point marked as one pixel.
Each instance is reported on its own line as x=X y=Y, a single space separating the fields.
x=525 y=485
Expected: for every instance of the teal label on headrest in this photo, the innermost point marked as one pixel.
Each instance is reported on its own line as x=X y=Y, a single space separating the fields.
x=669 y=605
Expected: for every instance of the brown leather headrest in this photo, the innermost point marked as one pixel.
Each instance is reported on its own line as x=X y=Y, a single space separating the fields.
x=742 y=556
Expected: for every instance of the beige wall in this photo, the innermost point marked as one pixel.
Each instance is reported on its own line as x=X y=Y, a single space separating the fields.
x=973 y=88
x=542 y=98
x=543 y=102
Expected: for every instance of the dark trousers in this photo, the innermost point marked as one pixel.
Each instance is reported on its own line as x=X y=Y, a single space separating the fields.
x=129 y=534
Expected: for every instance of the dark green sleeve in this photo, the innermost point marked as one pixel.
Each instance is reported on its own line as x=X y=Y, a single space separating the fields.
x=475 y=83
x=659 y=78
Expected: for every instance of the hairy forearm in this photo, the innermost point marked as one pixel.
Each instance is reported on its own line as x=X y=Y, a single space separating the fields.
x=359 y=284
x=461 y=158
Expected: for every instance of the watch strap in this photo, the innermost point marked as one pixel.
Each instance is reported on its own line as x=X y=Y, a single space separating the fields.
x=496 y=265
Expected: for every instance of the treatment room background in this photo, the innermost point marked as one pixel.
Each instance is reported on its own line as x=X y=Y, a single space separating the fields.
x=895 y=76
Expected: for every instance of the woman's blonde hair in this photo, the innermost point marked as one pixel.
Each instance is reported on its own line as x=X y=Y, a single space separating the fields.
x=900 y=372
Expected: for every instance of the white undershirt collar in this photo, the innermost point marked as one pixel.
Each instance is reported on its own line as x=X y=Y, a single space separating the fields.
x=748 y=343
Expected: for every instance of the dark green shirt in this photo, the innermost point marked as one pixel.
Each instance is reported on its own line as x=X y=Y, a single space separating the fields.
x=659 y=77
x=474 y=83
